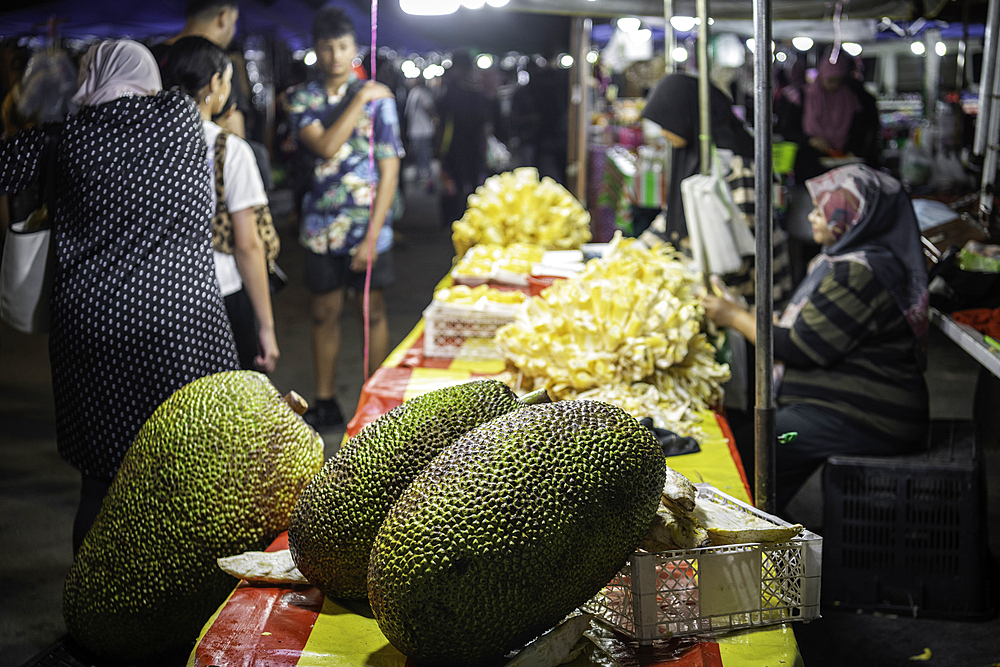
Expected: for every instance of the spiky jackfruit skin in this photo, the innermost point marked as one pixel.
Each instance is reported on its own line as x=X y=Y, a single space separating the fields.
x=338 y=515
x=214 y=472
x=506 y=532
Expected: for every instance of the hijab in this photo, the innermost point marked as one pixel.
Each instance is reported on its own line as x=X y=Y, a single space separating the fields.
x=873 y=223
x=829 y=113
x=116 y=68
x=673 y=105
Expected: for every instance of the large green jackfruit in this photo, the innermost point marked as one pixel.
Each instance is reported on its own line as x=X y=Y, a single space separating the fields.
x=213 y=472
x=339 y=513
x=513 y=527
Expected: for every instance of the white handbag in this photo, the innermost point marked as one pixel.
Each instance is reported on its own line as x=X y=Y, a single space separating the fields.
x=26 y=279
x=28 y=267
x=720 y=237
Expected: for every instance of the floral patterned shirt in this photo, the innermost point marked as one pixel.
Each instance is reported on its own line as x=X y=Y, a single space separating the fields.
x=335 y=210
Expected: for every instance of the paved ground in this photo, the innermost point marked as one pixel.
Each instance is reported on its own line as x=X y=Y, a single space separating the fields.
x=38 y=491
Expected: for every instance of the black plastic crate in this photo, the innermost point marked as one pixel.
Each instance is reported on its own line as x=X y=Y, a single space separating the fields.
x=908 y=535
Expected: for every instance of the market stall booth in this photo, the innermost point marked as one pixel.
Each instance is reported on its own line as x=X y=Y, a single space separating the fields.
x=692 y=600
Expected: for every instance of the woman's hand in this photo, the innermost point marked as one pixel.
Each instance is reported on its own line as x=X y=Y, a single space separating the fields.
x=726 y=310
x=265 y=361
x=719 y=309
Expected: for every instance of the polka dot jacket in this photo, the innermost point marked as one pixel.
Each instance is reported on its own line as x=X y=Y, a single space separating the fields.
x=136 y=309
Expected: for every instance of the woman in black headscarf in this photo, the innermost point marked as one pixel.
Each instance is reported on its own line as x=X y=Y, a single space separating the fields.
x=673 y=105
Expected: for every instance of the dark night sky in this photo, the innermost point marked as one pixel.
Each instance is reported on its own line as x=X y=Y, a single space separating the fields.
x=488 y=29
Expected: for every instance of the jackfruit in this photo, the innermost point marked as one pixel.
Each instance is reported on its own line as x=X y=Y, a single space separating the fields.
x=335 y=520
x=214 y=471
x=510 y=529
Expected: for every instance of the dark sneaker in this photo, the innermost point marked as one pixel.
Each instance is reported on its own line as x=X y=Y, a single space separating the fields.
x=324 y=416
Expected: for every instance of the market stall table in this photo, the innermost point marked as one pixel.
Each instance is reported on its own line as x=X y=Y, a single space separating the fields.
x=286 y=625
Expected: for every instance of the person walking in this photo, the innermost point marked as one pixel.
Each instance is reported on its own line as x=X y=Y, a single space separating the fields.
x=421 y=124
x=136 y=312
x=462 y=136
x=215 y=20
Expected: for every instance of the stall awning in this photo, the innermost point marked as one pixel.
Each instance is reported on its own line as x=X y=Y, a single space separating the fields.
x=734 y=9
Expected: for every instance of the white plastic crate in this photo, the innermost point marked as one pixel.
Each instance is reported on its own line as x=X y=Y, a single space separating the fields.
x=465 y=332
x=714 y=590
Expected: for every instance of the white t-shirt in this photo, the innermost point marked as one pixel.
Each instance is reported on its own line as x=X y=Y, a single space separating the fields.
x=418 y=110
x=244 y=188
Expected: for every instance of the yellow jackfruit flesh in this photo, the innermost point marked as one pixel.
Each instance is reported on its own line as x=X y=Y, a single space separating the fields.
x=515 y=207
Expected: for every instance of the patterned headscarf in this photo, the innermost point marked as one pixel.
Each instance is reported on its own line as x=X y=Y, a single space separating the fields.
x=841 y=207
x=115 y=68
x=874 y=224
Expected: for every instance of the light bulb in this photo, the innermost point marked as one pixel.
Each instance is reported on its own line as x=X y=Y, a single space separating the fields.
x=429 y=7
x=629 y=24
x=682 y=23
x=802 y=43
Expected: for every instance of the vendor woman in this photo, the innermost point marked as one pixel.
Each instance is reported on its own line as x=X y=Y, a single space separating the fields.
x=852 y=341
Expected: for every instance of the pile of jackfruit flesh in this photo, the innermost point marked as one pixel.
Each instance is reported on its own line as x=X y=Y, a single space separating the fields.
x=628 y=331
x=485 y=259
x=517 y=207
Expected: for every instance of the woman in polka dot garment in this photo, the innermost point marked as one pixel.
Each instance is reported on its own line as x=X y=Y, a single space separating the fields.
x=136 y=310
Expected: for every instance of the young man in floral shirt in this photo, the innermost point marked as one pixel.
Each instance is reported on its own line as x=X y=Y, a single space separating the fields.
x=345 y=212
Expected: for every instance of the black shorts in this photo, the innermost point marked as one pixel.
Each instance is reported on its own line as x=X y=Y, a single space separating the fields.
x=328 y=273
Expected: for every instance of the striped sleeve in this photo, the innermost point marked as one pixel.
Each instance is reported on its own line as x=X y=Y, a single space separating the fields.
x=839 y=316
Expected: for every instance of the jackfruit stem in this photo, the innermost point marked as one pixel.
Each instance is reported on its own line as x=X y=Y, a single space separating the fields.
x=296 y=403
x=536 y=397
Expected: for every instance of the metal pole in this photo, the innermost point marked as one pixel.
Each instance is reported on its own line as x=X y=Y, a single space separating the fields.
x=579 y=115
x=963 y=47
x=704 y=111
x=764 y=435
x=992 y=123
x=669 y=67
x=932 y=76
x=986 y=79
x=669 y=43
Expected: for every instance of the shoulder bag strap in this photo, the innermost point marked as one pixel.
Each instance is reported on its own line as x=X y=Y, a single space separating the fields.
x=222 y=226
x=220 y=180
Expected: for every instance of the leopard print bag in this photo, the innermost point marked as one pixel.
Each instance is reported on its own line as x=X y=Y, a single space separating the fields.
x=222 y=223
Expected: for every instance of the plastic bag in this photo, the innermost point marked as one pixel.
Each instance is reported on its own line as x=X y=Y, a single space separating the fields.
x=497 y=155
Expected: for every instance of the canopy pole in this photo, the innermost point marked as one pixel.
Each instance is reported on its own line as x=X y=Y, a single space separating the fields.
x=669 y=43
x=963 y=48
x=704 y=112
x=579 y=108
x=764 y=432
x=986 y=77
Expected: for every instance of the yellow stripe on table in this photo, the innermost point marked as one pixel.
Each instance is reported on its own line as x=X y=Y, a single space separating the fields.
x=714 y=463
x=342 y=638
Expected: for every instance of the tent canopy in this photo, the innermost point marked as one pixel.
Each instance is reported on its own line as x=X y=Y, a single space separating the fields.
x=489 y=29
x=735 y=9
